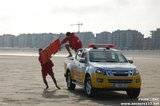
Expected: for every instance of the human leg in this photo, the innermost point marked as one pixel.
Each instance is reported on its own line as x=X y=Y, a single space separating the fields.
x=53 y=78
x=44 y=74
x=45 y=81
x=68 y=49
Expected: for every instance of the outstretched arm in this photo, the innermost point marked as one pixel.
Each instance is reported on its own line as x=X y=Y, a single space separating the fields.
x=64 y=40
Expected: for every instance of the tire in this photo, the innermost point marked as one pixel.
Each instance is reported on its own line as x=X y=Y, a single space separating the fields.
x=70 y=85
x=89 y=91
x=133 y=93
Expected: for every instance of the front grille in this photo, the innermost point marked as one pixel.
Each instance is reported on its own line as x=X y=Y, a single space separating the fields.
x=119 y=80
x=120 y=74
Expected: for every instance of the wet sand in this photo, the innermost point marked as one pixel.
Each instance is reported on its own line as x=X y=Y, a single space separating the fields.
x=21 y=84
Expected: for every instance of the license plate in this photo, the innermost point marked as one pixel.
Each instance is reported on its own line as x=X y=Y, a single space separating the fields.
x=120 y=85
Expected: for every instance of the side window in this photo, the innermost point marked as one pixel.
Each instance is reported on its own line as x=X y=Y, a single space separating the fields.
x=78 y=55
x=83 y=55
x=122 y=58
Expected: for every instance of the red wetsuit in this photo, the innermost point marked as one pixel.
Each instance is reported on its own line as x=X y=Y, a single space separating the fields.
x=46 y=68
x=74 y=42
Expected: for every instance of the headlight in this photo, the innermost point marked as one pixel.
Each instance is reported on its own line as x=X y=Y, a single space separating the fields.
x=100 y=71
x=135 y=72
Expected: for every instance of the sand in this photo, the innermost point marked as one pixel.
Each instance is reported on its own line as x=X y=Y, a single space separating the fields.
x=21 y=84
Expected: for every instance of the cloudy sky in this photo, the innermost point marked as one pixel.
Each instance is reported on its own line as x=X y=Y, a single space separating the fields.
x=37 y=16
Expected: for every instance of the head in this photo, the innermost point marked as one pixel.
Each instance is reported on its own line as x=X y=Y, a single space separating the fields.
x=68 y=34
x=40 y=49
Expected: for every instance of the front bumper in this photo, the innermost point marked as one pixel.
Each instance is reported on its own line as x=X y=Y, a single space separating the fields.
x=100 y=81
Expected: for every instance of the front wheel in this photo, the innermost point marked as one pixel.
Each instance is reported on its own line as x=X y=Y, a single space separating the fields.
x=70 y=84
x=88 y=87
x=133 y=93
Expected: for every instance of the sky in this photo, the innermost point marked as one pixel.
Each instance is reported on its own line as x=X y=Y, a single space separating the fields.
x=57 y=16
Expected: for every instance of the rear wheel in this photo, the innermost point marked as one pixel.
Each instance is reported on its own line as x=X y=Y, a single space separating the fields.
x=70 y=84
x=133 y=93
x=88 y=87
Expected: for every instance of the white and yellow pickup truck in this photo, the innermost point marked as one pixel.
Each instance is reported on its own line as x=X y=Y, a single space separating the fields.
x=102 y=68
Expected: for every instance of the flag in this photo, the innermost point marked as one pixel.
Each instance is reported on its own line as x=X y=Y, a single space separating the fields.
x=49 y=50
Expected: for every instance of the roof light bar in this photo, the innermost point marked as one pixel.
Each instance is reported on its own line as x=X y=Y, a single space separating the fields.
x=108 y=46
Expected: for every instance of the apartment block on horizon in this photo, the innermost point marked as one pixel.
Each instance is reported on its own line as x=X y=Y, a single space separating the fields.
x=127 y=39
x=7 y=40
x=104 y=38
x=156 y=38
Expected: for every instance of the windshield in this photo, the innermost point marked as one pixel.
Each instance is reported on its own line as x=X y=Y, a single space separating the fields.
x=107 y=56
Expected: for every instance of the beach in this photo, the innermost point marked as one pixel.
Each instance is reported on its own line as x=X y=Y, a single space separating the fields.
x=21 y=83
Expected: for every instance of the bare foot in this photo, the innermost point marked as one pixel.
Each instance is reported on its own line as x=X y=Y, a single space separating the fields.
x=58 y=87
x=47 y=87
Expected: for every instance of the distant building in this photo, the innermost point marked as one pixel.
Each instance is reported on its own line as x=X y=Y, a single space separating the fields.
x=123 y=39
x=22 y=40
x=8 y=40
x=35 y=40
x=86 y=38
x=15 y=42
x=127 y=39
x=104 y=38
x=1 y=41
x=156 y=38
x=147 y=43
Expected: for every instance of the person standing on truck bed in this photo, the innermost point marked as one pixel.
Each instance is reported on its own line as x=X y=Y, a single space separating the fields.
x=72 y=41
x=47 y=69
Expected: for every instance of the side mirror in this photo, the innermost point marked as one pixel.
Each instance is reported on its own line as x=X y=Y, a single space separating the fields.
x=82 y=60
x=130 y=61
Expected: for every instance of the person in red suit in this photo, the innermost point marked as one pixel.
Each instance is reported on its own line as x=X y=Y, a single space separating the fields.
x=47 y=70
x=71 y=41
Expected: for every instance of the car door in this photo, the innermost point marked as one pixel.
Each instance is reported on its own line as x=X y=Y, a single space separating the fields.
x=82 y=67
x=76 y=70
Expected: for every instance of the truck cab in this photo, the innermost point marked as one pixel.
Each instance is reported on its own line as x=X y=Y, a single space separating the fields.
x=102 y=68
